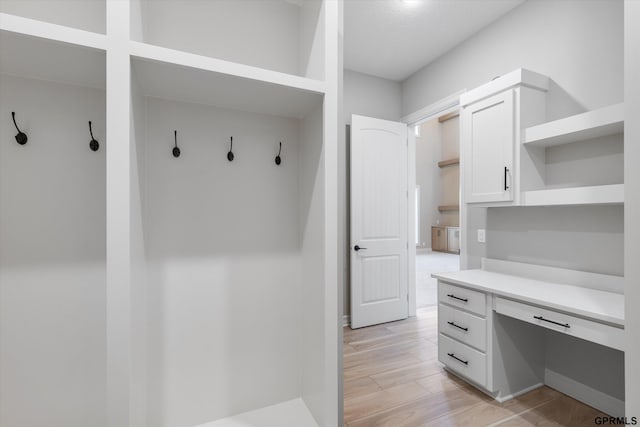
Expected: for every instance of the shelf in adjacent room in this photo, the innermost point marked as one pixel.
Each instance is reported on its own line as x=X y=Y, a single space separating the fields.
x=187 y=77
x=448 y=162
x=592 y=124
x=592 y=195
x=448 y=208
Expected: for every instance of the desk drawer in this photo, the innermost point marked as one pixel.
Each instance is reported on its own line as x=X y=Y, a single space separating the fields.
x=466 y=299
x=589 y=330
x=463 y=326
x=463 y=359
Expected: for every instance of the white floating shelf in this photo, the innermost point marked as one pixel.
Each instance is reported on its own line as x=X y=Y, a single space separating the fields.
x=585 y=126
x=593 y=195
x=181 y=76
x=51 y=52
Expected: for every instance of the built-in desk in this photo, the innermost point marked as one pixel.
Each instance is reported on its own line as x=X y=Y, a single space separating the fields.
x=480 y=340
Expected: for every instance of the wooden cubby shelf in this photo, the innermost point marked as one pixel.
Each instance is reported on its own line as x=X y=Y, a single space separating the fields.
x=448 y=208
x=449 y=162
x=592 y=124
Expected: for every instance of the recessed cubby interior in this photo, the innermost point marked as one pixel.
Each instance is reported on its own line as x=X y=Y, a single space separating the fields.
x=598 y=161
x=89 y=15
x=52 y=235
x=278 y=35
x=231 y=250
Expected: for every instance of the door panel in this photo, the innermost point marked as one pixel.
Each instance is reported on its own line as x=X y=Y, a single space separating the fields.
x=488 y=136
x=379 y=201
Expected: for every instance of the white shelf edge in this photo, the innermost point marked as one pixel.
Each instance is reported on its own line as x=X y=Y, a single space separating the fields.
x=592 y=124
x=170 y=56
x=52 y=32
x=591 y=195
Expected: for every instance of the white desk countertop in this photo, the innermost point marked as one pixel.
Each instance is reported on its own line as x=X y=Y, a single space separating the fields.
x=595 y=304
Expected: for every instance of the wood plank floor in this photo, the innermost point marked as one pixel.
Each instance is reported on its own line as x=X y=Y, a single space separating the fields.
x=392 y=378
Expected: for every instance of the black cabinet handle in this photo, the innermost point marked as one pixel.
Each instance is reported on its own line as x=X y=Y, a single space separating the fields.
x=506 y=171
x=566 y=325
x=458 y=298
x=358 y=248
x=458 y=326
x=466 y=362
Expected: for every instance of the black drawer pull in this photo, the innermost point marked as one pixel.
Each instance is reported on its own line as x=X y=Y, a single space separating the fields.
x=566 y=325
x=458 y=298
x=466 y=362
x=458 y=326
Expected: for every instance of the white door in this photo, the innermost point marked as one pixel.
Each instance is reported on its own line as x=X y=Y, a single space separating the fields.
x=379 y=200
x=488 y=132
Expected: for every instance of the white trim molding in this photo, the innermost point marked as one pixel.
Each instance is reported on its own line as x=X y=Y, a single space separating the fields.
x=599 y=400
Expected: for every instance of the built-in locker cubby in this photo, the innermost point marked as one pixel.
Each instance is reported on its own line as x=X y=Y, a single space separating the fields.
x=233 y=243
x=53 y=304
x=278 y=35
x=87 y=15
x=185 y=271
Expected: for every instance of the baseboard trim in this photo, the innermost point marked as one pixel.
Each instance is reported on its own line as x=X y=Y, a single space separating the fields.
x=346 y=320
x=599 y=400
x=502 y=399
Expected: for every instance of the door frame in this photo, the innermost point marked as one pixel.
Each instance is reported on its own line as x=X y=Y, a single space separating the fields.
x=444 y=106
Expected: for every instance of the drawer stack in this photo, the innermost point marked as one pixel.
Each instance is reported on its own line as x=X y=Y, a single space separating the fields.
x=462 y=331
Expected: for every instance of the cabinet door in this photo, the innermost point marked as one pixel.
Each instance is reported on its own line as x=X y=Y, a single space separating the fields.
x=453 y=240
x=438 y=239
x=488 y=137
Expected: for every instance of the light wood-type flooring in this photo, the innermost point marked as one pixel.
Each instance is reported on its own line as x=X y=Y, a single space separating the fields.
x=392 y=378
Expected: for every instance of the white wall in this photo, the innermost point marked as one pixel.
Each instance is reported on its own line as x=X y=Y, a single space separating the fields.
x=87 y=15
x=262 y=33
x=632 y=205
x=224 y=282
x=368 y=96
x=579 y=44
x=52 y=256
x=371 y=96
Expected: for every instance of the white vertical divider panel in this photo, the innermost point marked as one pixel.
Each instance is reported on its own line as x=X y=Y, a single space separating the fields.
x=632 y=205
x=411 y=224
x=341 y=277
x=118 y=216
x=332 y=318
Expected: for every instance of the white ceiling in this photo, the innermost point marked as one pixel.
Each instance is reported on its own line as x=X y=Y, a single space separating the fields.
x=395 y=38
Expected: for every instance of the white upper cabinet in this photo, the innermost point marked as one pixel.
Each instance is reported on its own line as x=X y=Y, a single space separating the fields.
x=488 y=132
x=491 y=122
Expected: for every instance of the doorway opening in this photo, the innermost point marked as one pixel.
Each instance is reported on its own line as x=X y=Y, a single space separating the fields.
x=437 y=157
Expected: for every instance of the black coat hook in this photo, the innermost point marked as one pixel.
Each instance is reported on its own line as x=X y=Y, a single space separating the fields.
x=230 y=153
x=176 y=150
x=278 y=158
x=21 y=137
x=93 y=144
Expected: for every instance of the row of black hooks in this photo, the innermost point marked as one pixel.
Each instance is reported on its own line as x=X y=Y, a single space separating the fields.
x=22 y=138
x=230 y=156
